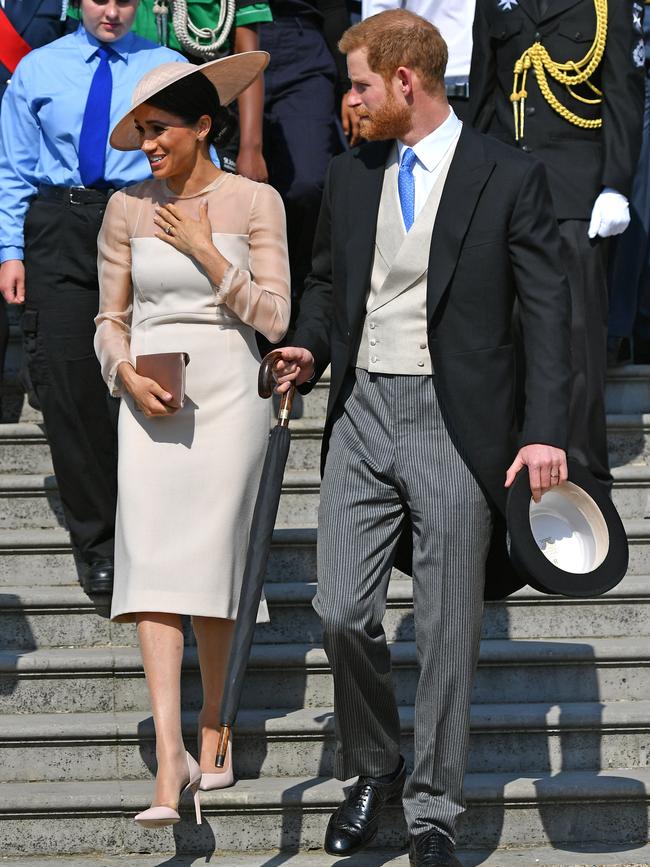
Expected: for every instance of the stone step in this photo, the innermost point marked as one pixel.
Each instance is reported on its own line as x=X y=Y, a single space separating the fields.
x=507 y=738
x=44 y=557
x=577 y=807
x=31 y=500
x=628 y=389
x=628 y=439
x=24 y=447
x=64 y=616
x=631 y=491
x=101 y=679
x=547 y=856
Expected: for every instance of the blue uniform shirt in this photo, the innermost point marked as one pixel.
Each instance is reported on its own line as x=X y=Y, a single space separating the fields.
x=41 y=118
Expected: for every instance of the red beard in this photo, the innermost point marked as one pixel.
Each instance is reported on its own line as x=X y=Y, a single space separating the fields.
x=387 y=122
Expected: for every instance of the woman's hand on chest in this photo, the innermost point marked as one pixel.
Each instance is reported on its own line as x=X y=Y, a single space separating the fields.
x=191 y=237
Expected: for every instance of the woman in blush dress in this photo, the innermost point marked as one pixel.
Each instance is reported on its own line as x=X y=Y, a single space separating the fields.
x=193 y=261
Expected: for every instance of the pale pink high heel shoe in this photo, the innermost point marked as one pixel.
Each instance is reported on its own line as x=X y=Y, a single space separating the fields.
x=221 y=780
x=158 y=817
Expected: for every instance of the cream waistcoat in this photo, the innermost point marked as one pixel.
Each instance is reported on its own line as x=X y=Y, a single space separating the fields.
x=394 y=338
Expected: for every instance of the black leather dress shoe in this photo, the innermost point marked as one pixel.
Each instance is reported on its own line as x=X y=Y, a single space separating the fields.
x=432 y=850
x=99 y=577
x=354 y=824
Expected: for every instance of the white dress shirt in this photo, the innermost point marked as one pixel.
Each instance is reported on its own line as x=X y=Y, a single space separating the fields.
x=453 y=18
x=430 y=152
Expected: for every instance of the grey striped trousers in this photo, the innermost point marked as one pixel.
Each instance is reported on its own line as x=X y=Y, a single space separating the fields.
x=390 y=450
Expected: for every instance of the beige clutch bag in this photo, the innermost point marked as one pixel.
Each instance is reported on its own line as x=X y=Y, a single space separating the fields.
x=168 y=370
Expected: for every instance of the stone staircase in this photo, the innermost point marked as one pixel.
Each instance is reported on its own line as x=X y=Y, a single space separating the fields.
x=558 y=770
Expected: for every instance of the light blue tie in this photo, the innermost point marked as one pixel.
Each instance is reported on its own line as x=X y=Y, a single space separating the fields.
x=96 y=123
x=406 y=187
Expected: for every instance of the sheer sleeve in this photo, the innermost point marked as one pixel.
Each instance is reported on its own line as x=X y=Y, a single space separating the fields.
x=261 y=297
x=112 y=338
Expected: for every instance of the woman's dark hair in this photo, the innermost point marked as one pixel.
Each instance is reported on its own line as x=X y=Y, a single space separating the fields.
x=192 y=97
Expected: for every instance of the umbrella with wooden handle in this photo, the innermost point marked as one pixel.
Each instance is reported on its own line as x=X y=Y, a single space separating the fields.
x=259 y=545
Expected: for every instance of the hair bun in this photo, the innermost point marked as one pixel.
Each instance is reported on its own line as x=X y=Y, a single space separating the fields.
x=224 y=126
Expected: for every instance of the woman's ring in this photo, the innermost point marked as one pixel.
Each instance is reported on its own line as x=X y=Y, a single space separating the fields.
x=168 y=228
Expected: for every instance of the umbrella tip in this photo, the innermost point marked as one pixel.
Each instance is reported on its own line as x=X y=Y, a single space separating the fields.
x=223 y=746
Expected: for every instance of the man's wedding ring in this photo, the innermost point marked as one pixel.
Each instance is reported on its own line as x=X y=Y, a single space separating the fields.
x=168 y=228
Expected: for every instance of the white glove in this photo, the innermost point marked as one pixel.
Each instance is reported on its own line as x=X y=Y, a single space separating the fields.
x=610 y=215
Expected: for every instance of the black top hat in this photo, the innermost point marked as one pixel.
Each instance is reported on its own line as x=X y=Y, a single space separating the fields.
x=573 y=541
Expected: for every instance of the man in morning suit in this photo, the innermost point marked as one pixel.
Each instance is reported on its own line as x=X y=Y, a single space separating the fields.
x=426 y=236
x=571 y=73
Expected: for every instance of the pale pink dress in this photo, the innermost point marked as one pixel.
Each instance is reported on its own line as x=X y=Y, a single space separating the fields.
x=187 y=483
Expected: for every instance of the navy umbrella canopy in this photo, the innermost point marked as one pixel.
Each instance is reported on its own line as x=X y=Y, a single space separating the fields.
x=266 y=509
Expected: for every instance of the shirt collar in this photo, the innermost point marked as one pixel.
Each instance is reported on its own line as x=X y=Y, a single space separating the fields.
x=432 y=148
x=88 y=44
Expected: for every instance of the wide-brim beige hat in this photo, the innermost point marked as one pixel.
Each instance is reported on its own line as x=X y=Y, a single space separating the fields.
x=228 y=75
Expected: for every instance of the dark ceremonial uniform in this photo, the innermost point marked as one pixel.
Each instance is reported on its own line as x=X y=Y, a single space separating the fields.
x=304 y=83
x=629 y=272
x=38 y=22
x=558 y=125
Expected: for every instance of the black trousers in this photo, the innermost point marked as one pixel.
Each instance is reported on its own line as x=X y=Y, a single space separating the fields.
x=62 y=299
x=585 y=262
x=302 y=131
x=4 y=335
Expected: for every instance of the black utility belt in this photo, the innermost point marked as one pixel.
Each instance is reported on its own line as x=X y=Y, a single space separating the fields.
x=73 y=195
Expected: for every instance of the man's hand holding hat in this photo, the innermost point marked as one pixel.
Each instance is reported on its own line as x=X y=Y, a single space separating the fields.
x=547 y=468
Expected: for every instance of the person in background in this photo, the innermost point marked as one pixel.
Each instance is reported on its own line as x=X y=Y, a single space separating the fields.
x=244 y=153
x=628 y=336
x=304 y=84
x=454 y=19
x=25 y=24
x=56 y=176
x=564 y=82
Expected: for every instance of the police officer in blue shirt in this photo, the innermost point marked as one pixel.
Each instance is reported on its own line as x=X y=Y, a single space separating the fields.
x=57 y=172
x=27 y=24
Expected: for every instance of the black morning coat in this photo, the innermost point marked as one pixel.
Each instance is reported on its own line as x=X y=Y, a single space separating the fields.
x=579 y=162
x=495 y=238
